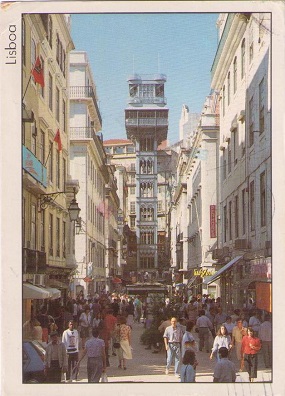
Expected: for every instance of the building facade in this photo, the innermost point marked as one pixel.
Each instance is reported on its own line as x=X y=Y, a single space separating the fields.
x=194 y=232
x=48 y=233
x=146 y=120
x=88 y=164
x=241 y=74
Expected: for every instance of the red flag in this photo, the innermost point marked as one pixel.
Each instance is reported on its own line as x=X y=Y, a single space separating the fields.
x=38 y=72
x=58 y=140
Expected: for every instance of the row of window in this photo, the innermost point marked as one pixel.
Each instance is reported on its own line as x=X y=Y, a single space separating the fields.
x=95 y=177
x=48 y=156
x=96 y=254
x=133 y=206
x=231 y=218
x=51 y=36
x=232 y=76
x=119 y=149
x=96 y=215
x=146 y=90
x=37 y=236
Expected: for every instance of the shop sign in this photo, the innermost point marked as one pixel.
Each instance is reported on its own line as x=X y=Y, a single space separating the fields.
x=204 y=272
x=213 y=233
x=34 y=167
x=261 y=268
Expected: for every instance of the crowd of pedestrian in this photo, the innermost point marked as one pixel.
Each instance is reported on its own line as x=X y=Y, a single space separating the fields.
x=102 y=326
x=243 y=331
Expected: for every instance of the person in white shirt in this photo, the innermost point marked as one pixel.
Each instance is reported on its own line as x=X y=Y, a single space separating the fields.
x=204 y=325
x=85 y=323
x=265 y=336
x=70 y=338
x=255 y=323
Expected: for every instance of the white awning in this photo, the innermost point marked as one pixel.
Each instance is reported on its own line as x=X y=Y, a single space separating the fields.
x=34 y=292
x=55 y=293
x=223 y=269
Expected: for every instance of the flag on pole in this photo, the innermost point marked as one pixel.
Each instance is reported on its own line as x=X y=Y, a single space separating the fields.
x=38 y=72
x=57 y=139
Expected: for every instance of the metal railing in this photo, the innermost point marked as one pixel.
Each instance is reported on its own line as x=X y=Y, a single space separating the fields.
x=81 y=133
x=83 y=92
x=149 y=100
x=146 y=121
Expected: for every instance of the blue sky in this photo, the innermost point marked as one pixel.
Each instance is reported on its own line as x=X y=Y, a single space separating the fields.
x=182 y=46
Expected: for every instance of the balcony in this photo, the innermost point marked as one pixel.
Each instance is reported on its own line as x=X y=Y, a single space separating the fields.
x=33 y=261
x=85 y=92
x=146 y=122
x=83 y=133
x=147 y=100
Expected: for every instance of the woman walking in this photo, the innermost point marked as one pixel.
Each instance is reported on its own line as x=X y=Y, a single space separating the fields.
x=187 y=373
x=250 y=346
x=222 y=339
x=123 y=336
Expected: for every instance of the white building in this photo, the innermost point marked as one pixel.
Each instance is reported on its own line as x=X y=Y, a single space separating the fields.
x=187 y=124
x=241 y=73
x=194 y=231
x=88 y=165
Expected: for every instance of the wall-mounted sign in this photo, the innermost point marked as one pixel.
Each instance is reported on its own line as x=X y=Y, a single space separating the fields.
x=202 y=272
x=34 y=167
x=213 y=232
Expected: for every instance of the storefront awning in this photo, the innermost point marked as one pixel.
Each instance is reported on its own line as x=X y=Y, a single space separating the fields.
x=34 y=292
x=117 y=280
x=55 y=293
x=223 y=269
x=191 y=281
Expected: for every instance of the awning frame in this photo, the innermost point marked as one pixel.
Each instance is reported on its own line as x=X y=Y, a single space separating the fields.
x=223 y=269
x=33 y=292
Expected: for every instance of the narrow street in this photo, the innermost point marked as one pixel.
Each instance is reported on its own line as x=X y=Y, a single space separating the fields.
x=147 y=366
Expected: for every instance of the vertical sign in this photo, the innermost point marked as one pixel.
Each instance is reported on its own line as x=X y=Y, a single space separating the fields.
x=213 y=233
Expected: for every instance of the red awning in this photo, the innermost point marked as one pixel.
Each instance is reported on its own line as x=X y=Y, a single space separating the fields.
x=87 y=279
x=117 y=280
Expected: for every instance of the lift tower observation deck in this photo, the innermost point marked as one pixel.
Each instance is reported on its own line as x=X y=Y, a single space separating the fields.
x=146 y=121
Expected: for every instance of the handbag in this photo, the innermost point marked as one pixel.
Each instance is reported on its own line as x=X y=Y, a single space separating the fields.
x=116 y=345
x=104 y=377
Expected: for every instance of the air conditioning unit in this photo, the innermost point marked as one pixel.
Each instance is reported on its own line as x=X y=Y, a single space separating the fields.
x=241 y=244
x=217 y=254
x=226 y=251
x=39 y=279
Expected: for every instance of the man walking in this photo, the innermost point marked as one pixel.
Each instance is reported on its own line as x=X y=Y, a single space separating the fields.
x=70 y=338
x=204 y=325
x=96 y=363
x=237 y=335
x=55 y=359
x=172 y=340
x=225 y=369
x=265 y=336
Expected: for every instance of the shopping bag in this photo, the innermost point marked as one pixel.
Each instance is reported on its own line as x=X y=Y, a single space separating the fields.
x=104 y=377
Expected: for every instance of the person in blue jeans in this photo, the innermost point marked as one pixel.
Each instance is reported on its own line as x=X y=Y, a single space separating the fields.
x=188 y=373
x=173 y=335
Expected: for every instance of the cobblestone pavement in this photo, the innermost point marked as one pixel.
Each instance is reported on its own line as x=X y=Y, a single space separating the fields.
x=149 y=367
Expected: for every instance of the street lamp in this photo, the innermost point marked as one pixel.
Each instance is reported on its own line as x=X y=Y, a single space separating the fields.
x=73 y=209
x=48 y=199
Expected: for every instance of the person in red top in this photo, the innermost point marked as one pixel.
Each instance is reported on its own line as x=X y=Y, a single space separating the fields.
x=109 y=323
x=250 y=346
